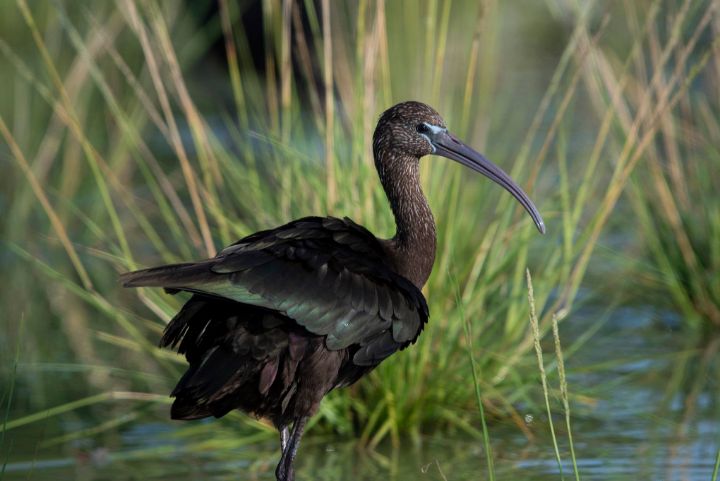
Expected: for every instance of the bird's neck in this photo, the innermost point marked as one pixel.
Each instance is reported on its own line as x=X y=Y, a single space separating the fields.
x=413 y=247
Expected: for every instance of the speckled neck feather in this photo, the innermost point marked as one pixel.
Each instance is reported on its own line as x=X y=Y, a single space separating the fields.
x=414 y=244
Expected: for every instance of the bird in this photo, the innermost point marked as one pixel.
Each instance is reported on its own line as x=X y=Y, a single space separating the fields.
x=282 y=317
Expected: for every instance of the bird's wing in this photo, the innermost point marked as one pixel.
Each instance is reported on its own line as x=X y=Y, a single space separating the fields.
x=329 y=275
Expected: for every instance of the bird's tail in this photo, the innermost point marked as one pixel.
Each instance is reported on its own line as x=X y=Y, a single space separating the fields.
x=170 y=276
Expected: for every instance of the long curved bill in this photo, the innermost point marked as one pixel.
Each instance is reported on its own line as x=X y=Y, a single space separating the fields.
x=451 y=147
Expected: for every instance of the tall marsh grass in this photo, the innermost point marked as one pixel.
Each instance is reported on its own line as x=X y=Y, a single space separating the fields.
x=112 y=164
x=660 y=114
x=674 y=192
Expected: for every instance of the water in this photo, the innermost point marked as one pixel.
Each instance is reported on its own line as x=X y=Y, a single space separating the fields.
x=644 y=403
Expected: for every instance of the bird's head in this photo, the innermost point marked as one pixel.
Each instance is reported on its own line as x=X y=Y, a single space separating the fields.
x=410 y=130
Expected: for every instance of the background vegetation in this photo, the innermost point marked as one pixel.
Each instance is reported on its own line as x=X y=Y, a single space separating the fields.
x=141 y=133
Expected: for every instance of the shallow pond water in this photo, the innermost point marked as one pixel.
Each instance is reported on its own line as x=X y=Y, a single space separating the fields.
x=644 y=408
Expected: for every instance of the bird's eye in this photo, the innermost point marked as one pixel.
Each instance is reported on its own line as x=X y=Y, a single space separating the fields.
x=422 y=128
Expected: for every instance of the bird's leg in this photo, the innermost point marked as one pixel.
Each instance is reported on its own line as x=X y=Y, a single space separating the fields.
x=293 y=445
x=284 y=437
x=281 y=473
x=284 y=471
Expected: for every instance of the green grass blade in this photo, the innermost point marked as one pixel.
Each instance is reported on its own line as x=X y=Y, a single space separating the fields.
x=541 y=367
x=476 y=384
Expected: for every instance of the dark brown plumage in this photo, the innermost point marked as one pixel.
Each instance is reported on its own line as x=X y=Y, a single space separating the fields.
x=283 y=316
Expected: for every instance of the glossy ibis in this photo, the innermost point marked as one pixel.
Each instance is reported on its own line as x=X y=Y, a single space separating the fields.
x=283 y=316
